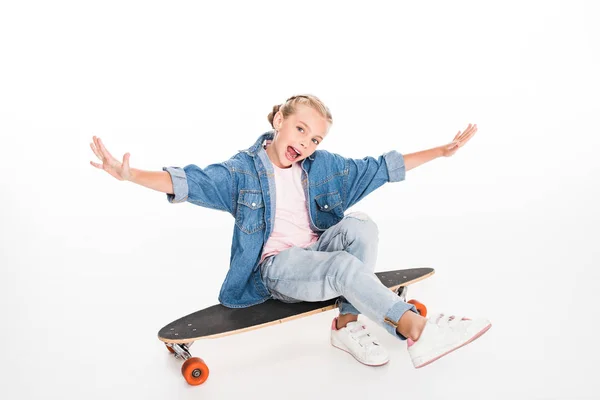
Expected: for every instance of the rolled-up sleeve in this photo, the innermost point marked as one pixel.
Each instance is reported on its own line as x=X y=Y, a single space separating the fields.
x=395 y=166
x=365 y=175
x=211 y=186
x=180 y=185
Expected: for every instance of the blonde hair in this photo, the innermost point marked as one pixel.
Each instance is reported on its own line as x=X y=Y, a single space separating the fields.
x=289 y=107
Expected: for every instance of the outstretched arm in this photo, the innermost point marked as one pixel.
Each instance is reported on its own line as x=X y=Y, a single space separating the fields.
x=211 y=187
x=413 y=160
x=157 y=180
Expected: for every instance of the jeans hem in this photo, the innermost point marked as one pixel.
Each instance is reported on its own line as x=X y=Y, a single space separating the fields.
x=393 y=316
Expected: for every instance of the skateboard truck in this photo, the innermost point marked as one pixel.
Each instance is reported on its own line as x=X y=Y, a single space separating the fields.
x=402 y=291
x=180 y=351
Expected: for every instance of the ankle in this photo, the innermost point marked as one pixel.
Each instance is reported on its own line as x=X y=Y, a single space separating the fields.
x=344 y=319
x=411 y=325
x=417 y=329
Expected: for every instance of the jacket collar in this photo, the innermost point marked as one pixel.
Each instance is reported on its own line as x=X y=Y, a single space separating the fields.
x=252 y=150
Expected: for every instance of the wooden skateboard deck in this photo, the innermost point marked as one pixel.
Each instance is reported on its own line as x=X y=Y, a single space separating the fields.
x=218 y=320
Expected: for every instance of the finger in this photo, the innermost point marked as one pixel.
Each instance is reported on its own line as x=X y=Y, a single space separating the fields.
x=95 y=150
x=126 y=160
x=95 y=139
x=469 y=136
x=103 y=149
x=468 y=129
x=466 y=134
x=99 y=166
x=99 y=147
x=460 y=138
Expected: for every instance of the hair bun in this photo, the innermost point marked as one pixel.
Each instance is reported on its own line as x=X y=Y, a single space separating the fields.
x=271 y=115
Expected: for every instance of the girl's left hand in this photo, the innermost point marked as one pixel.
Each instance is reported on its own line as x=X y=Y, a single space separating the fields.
x=459 y=140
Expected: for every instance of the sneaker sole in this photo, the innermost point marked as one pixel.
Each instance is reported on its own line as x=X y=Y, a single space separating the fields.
x=368 y=365
x=477 y=335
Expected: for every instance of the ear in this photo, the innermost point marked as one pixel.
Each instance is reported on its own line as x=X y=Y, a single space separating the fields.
x=278 y=120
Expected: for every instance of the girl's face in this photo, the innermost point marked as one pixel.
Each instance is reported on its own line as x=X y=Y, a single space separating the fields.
x=299 y=136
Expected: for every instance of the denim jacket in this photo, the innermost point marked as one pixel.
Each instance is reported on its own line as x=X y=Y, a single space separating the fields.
x=244 y=186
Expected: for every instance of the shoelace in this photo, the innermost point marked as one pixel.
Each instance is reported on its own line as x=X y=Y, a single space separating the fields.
x=364 y=337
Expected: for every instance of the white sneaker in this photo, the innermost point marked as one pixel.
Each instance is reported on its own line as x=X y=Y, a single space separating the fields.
x=356 y=339
x=444 y=334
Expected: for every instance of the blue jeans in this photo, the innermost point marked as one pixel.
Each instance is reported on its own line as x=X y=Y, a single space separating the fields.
x=340 y=264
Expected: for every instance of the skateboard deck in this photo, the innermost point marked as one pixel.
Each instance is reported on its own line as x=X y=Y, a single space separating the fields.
x=218 y=320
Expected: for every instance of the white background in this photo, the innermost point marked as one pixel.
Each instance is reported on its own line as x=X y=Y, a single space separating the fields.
x=91 y=268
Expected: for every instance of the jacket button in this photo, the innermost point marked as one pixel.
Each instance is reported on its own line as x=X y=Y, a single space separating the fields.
x=253 y=204
x=326 y=206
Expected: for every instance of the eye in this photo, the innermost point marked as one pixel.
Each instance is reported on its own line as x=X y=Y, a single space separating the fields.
x=315 y=141
x=300 y=129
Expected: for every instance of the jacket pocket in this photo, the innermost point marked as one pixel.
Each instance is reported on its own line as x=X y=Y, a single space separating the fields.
x=250 y=214
x=329 y=209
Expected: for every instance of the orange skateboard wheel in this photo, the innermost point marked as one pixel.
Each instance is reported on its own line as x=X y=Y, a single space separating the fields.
x=195 y=371
x=169 y=348
x=421 y=309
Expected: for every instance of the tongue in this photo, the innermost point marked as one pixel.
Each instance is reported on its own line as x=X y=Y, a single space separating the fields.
x=291 y=152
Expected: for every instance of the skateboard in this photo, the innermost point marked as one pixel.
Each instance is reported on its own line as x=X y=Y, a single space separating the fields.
x=218 y=321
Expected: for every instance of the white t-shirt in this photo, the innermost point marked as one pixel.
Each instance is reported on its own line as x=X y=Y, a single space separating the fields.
x=292 y=227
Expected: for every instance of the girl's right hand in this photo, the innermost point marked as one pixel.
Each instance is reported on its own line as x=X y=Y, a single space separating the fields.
x=119 y=170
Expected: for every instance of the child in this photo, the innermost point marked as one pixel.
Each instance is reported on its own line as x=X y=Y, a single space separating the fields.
x=292 y=241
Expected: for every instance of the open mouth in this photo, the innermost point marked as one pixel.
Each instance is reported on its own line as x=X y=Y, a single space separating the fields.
x=292 y=153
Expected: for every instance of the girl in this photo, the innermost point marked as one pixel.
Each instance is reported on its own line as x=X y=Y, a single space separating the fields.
x=291 y=239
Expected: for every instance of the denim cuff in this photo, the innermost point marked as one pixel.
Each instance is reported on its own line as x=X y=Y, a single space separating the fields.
x=345 y=307
x=180 y=185
x=393 y=316
x=395 y=166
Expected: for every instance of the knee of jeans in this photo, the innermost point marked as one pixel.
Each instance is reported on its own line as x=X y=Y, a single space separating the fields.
x=361 y=224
